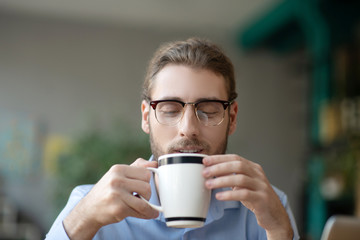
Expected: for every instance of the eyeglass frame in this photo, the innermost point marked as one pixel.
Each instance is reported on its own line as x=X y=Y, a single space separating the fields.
x=226 y=105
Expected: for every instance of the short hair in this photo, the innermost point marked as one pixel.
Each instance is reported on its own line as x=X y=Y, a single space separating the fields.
x=193 y=52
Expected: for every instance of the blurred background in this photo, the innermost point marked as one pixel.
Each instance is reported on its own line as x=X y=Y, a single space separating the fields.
x=70 y=81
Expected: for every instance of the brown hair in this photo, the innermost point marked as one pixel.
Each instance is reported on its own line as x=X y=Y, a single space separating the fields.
x=194 y=52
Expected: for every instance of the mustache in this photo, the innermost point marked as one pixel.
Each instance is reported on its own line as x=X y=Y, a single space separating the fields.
x=188 y=143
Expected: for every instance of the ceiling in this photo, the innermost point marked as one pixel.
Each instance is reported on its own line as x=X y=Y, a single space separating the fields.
x=208 y=15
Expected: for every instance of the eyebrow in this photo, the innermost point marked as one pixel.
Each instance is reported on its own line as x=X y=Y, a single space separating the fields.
x=197 y=100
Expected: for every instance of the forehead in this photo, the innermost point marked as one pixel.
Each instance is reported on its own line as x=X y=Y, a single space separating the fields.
x=188 y=84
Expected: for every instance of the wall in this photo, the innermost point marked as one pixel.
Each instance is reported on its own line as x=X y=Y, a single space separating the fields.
x=65 y=73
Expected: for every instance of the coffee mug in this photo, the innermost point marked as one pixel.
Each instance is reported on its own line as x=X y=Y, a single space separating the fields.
x=184 y=198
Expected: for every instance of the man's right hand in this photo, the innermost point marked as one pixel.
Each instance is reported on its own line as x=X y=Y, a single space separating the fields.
x=112 y=199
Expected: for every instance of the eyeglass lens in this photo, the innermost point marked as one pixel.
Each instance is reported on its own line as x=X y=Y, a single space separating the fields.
x=208 y=112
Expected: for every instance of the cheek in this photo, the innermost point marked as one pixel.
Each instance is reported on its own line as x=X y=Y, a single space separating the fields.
x=162 y=134
x=216 y=136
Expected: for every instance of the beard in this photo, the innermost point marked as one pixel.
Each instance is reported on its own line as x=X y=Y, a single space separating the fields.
x=183 y=143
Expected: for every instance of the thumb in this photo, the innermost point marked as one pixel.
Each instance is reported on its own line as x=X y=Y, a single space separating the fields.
x=140 y=162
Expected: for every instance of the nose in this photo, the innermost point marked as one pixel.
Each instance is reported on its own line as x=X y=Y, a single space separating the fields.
x=189 y=124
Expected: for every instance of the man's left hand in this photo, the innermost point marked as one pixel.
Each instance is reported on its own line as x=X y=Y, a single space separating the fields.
x=251 y=187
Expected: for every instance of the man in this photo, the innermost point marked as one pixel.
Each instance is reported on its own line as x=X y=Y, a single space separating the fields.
x=184 y=80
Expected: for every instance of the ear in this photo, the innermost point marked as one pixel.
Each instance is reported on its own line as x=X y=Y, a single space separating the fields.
x=233 y=117
x=145 y=111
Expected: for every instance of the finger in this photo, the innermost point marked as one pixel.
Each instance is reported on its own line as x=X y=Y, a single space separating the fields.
x=129 y=205
x=216 y=159
x=140 y=173
x=234 y=181
x=231 y=167
x=130 y=186
x=135 y=206
x=140 y=209
x=129 y=179
x=153 y=164
x=243 y=195
x=140 y=162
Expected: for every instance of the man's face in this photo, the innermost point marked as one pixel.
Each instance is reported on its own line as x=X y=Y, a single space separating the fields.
x=189 y=135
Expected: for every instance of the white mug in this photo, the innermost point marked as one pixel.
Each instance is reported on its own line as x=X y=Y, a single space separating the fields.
x=184 y=198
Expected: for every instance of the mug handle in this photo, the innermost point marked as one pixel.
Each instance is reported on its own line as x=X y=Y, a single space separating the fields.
x=157 y=208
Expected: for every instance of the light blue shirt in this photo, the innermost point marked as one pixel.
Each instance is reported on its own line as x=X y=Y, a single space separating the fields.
x=225 y=220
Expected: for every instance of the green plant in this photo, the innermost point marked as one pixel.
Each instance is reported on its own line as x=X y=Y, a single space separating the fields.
x=93 y=152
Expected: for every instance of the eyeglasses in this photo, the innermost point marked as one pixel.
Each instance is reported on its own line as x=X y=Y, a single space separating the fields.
x=208 y=112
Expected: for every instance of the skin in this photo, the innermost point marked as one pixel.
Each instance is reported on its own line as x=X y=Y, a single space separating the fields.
x=113 y=194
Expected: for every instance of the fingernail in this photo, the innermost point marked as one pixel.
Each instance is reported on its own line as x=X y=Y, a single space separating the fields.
x=209 y=183
x=206 y=172
x=219 y=196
